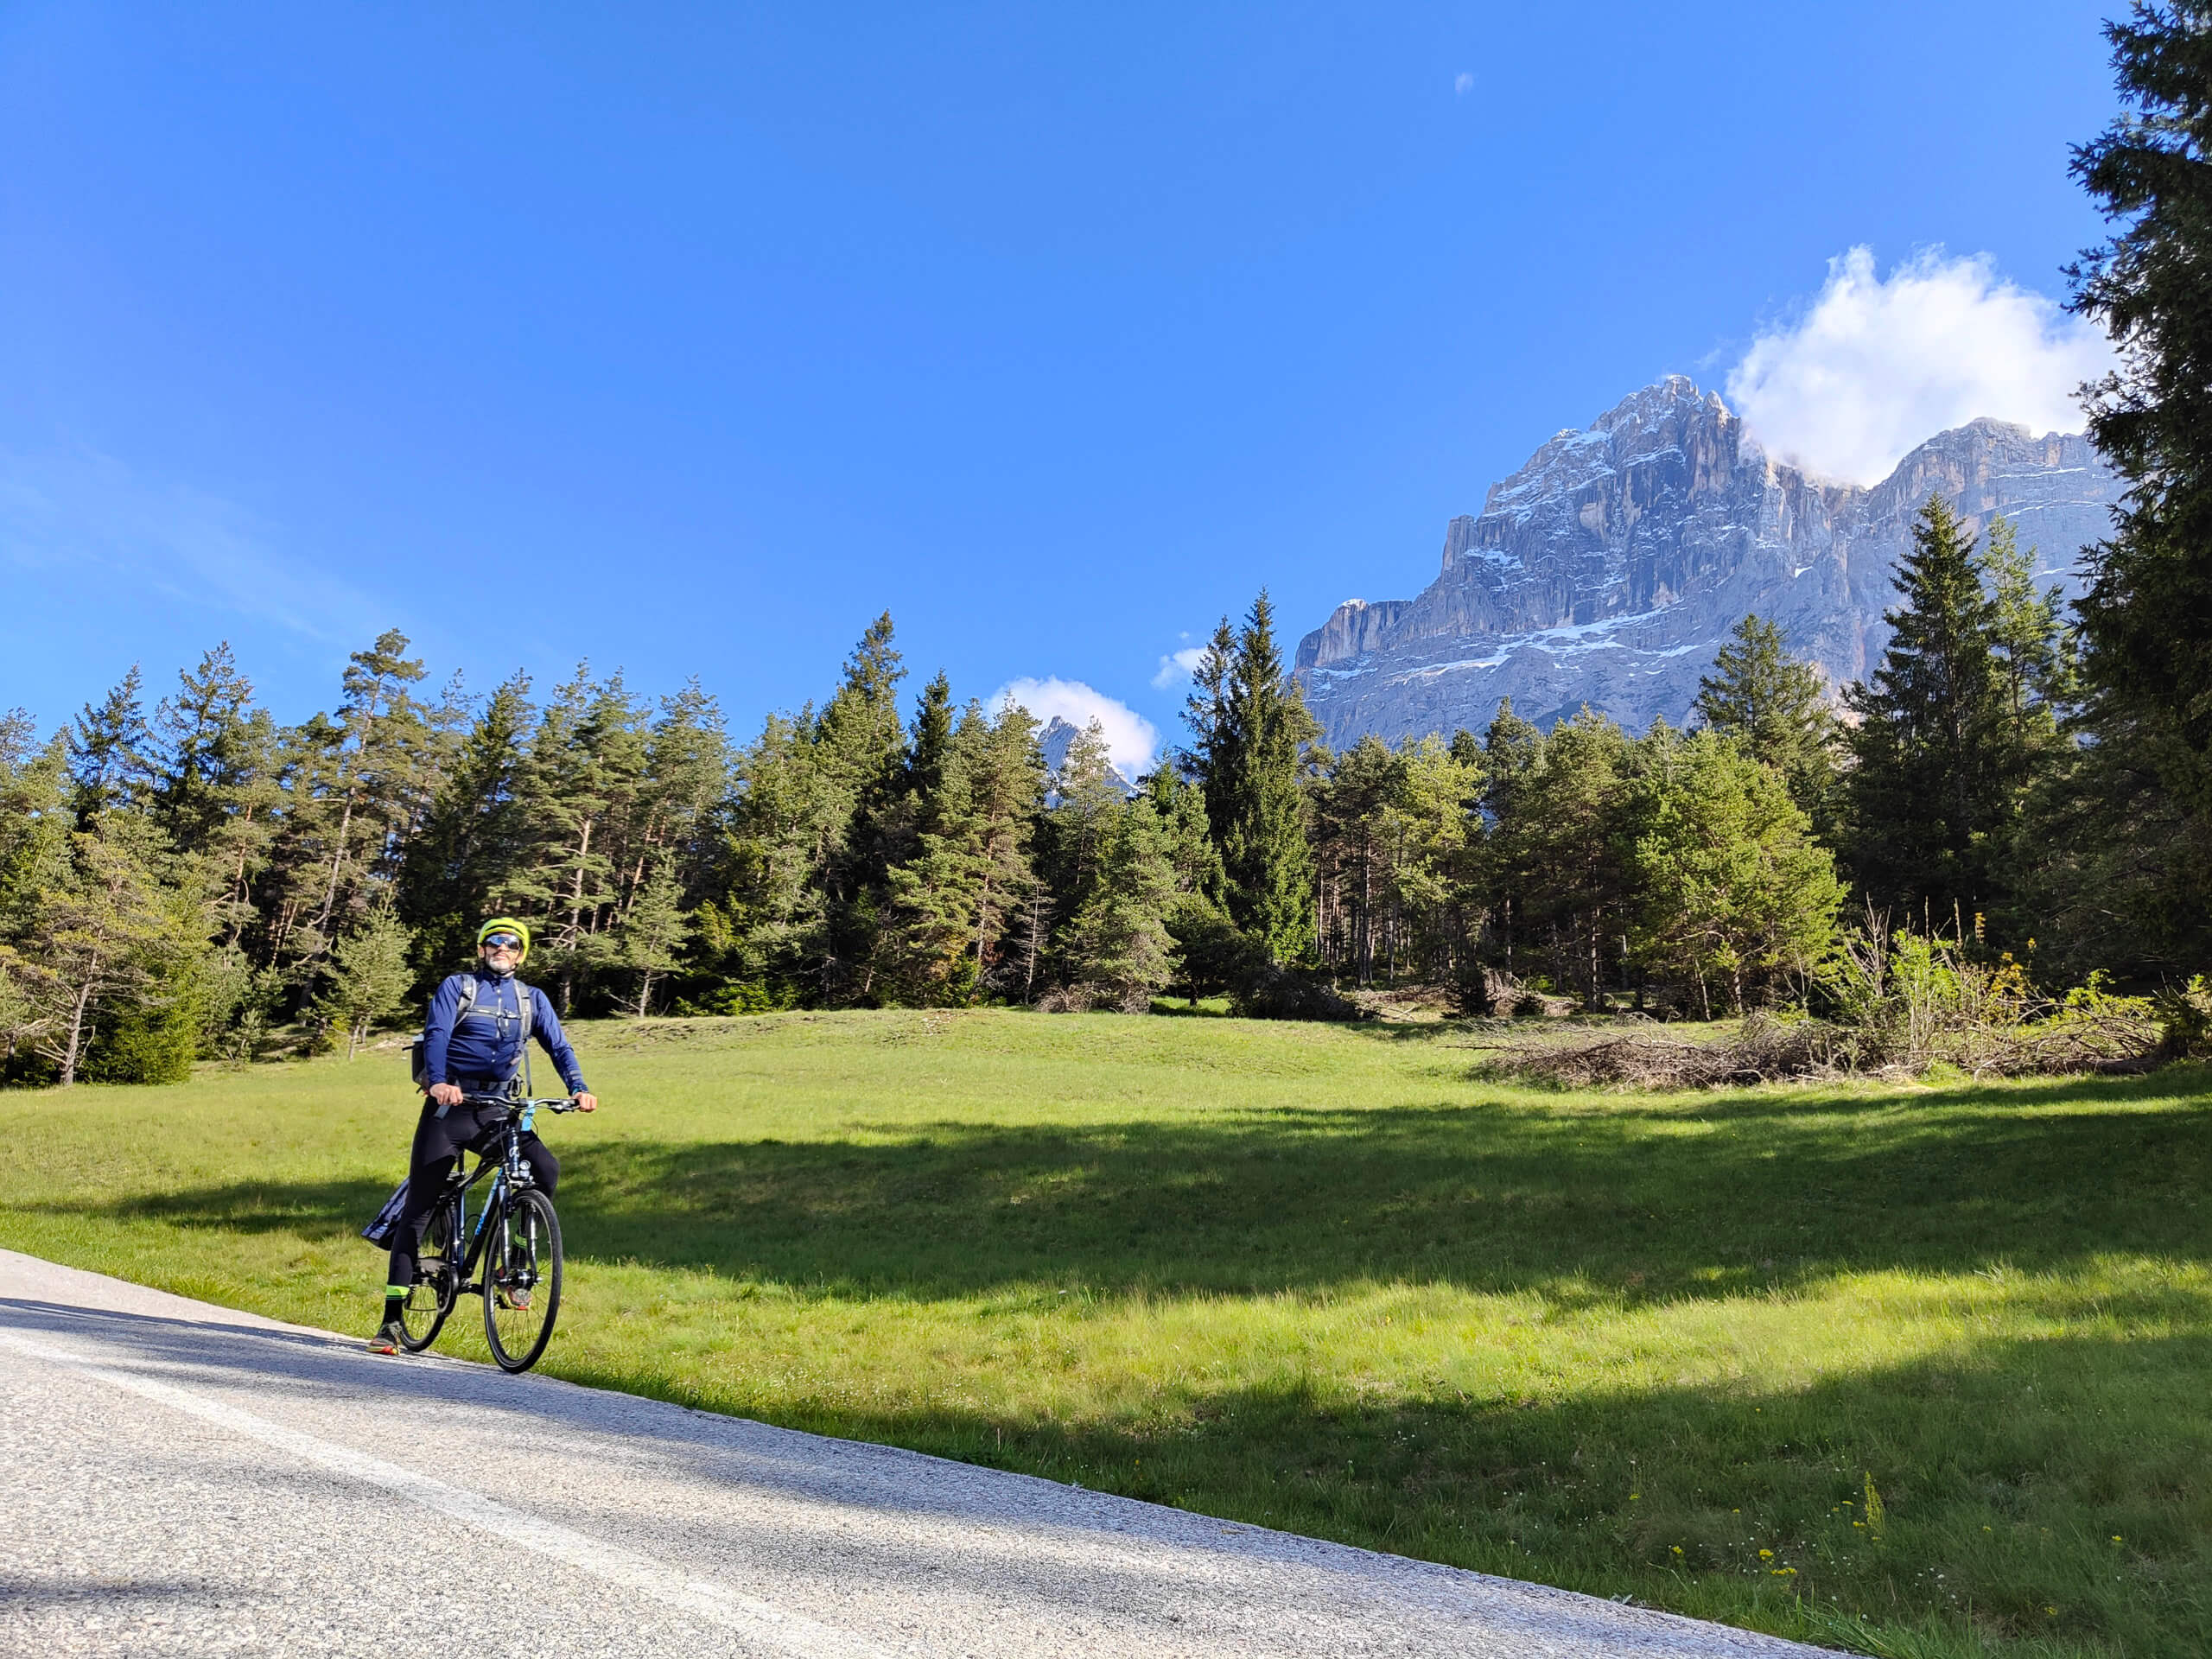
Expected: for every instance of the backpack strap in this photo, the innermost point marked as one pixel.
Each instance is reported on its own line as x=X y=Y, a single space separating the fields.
x=528 y=999
x=467 y=997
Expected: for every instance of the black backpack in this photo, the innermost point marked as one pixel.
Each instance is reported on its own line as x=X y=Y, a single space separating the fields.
x=418 y=1067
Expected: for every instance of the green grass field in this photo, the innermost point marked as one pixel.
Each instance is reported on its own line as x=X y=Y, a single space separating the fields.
x=1328 y=1279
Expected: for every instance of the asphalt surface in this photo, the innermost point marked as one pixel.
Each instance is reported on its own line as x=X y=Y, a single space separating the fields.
x=183 y=1478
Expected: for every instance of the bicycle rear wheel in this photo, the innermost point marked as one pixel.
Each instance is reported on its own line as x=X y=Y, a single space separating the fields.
x=522 y=1279
x=437 y=1283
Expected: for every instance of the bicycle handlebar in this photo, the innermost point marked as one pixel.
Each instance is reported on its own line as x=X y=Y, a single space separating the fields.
x=556 y=1103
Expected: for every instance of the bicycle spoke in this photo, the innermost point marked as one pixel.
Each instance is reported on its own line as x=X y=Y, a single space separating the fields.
x=522 y=1279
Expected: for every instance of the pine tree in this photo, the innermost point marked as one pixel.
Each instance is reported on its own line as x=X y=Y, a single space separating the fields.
x=217 y=788
x=98 y=938
x=1436 y=843
x=651 y=937
x=366 y=978
x=109 y=750
x=1775 y=704
x=474 y=844
x=1569 y=879
x=1354 y=834
x=1512 y=750
x=1928 y=798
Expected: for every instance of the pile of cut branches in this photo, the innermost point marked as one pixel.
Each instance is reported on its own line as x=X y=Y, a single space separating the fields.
x=1765 y=1050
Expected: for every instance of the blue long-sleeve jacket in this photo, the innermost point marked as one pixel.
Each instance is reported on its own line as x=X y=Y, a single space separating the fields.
x=488 y=1041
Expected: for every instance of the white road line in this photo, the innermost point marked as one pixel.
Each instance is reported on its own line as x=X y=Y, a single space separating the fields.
x=758 y=1621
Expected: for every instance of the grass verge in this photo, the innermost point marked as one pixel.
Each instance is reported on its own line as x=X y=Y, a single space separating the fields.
x=1918 y=1371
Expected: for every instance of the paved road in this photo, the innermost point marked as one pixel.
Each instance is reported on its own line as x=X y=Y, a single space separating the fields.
x=182 y=1478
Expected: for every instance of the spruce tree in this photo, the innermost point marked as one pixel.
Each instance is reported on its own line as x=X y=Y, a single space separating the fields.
x=1736 y=900
x=860 y=746
x=2146 y=619
x=1004 y=773
x=1118 y=944
x=1928 y=798
x=1260 y=825
x=1564 y=854
x=1775 y=705
x=935 y=874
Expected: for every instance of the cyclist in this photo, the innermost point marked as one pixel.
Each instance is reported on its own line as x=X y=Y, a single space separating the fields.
x=475 y=1050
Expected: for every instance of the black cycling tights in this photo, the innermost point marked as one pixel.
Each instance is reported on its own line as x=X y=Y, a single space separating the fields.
x=438 y=1144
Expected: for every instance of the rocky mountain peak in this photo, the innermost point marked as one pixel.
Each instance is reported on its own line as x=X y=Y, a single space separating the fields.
x=1609 y=567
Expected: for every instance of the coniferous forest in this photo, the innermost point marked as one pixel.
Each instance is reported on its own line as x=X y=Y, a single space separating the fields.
x=2019 y=795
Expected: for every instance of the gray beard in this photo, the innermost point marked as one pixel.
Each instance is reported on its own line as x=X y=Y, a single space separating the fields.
x=497 y=973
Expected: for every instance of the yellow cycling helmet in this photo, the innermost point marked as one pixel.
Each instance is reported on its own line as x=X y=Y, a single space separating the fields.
x=505 y=924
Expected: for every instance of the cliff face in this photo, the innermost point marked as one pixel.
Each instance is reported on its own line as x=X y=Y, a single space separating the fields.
x=1611 y=566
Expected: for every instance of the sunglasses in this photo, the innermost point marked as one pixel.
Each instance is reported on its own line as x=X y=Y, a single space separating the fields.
x=502 y=942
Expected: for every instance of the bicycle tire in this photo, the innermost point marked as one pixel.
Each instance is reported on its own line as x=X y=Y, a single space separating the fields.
x=437 y=1282
x=522 y=1279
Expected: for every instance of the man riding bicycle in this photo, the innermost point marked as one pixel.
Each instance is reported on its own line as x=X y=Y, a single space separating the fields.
x=473 y=1046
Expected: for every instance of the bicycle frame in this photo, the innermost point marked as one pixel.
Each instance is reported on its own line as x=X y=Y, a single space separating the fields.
x=508 y=1171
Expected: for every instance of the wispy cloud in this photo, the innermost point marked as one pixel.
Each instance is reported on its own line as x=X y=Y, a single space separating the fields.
x=1177 y=667
x=78 y=510
x=1462 y=84
x=1131 y=740
x=1876 y=364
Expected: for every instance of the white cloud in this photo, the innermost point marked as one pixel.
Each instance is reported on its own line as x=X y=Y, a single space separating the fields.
x=1463 y=83
x=1876 y=366
x=1178 y=666
x=82 y=509
x=1131 y=741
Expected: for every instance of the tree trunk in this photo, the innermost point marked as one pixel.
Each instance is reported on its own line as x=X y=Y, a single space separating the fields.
x=76 y=1012
x=337 y=862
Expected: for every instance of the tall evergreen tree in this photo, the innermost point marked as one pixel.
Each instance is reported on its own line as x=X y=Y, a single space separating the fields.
x=1005 y=777
x=1775 y=705
x=650 y=936
x=1737 y=899
x=98 y=938
x=1512 y=750
x=1929 y=796
x=476 y=839
x=1118 y=943
x=860 y=746
x=2147 y=617
x=366 y=978
x=109 y=751
x=1562 y=850
x=1264 y=850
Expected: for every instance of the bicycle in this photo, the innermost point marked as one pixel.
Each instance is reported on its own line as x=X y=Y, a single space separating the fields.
x=516 y=1239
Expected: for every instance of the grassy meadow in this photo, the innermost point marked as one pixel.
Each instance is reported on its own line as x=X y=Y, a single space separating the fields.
x=1917 y=1371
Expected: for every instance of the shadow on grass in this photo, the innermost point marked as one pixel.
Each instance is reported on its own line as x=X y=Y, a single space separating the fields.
x=1647 y=1201
x=2051 y=1489
x=2037 y=1491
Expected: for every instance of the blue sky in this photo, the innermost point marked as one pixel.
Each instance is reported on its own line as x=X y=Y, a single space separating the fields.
x=687 y=339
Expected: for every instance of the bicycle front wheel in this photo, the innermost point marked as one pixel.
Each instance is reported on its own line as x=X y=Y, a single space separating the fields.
x=522 y=1279
x=437 y=1282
